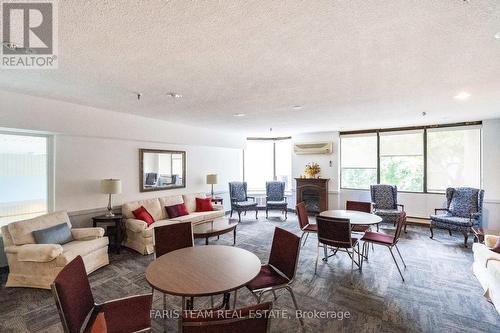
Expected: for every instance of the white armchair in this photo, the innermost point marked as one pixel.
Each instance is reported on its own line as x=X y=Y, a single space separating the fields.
x=36 y=265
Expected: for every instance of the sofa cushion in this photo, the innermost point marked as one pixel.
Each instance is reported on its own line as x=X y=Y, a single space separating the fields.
x=448 y=218
x=80 y=248
x=176 y=210
x=190 y=200
x=36 y=252
x=193 y=218
x=153 y=206
x=204 y=205
x=58 y=234
x=171 y=200
x=142 y=214
x=22 y=231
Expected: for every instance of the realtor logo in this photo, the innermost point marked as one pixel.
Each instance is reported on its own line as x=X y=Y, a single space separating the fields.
x=29 y=34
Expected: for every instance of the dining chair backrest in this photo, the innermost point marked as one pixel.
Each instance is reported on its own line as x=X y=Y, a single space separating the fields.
x=335 y=232
x=399 y=226
x=73 y=296
x=285 y=252
x=360 y=206
x=252 y=319
x=302 y=215
x=172 y=237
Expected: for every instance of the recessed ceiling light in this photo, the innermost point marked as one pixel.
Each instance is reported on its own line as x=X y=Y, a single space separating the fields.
x=497 y=35
x=174 y=95
x=239 y=115
x=297 y=107
x=462 y=95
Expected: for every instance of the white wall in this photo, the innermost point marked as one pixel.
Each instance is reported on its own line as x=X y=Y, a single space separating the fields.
x=92 y=144
x=416 y=204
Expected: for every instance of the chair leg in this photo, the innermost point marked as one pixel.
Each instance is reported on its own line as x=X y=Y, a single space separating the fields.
x=239 y=216
x=466 y=236
x=325 y=251
x=377 y=227
x=400 y=256
x=245 y=213
x=352 y=263
x=256 y=213
x=449 y=231
x=405 y=222
x=295 y=304
x=286 y=214
x=231 y=214
x=274 y=295
x=432 y=233
x=307 y=236
x=399 y=270
x=267 y=212
x=235 y=297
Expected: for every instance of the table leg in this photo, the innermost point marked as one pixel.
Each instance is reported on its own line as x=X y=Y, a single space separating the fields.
x=206 y=240
x=234 y=236
x=118 y=237
x=225 y=300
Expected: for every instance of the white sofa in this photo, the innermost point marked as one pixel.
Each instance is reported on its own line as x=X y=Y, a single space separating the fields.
x=140 y=235
x=36 y=265
x=486 y=267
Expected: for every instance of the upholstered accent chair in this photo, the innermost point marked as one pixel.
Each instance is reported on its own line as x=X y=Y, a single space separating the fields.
x=275 y=197
x=464 y=207
x=279 y=272
x=385 y=203
x=242 y=320
x=36 y=265
x=78 y=310
x=239 y=199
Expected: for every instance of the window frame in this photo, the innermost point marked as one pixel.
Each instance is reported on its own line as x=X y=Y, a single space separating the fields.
x=50 y=146
x=274 y=154
x=406 y=129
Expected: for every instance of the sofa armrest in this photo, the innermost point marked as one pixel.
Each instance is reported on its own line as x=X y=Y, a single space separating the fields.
x=35 y=252
x=218 y=207
x=135 y=225
x=490 y=240
x=83 y=234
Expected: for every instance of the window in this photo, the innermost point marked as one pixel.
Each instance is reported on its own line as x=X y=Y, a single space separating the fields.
x=425 y=159
x=358 y=156
x=453 y=158
x=265 y=160
x=24 y=176
x=402 y=160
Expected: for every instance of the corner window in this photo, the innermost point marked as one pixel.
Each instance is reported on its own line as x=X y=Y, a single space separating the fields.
x=24 y=176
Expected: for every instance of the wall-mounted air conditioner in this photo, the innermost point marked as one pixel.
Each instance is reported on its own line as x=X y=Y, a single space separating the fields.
x=313 y=148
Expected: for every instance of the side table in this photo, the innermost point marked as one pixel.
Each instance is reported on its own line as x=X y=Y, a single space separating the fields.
x=480 y=232
x=116 y=222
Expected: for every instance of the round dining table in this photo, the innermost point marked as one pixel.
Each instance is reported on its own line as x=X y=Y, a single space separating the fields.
x=203 y=271
x=354 y=216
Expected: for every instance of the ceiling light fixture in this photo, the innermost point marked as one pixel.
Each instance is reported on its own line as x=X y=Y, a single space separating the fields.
x=174 y=95
x=239 y=115
x=462 y=95
x=497 y=35
x=297 y=107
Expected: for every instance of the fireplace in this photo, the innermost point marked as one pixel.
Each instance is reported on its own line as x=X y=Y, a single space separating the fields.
x=314 y=193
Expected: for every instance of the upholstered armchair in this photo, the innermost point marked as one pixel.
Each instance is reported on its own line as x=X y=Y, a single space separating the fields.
x=385 y=203
x=464 y=207
x=275 y=197
x=239 y=199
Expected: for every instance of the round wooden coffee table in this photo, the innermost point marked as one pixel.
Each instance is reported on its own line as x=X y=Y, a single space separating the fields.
x=215 y=228
x=355 y=217
x=203 y=271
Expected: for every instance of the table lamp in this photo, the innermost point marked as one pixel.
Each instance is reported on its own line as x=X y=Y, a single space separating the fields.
x=111 y=186
x=211 y=180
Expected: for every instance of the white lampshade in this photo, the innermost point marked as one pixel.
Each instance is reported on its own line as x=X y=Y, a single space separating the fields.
x=111 y=186
x=212 y=179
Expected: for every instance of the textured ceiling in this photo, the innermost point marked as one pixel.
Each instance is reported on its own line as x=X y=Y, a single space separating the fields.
x=351 y=64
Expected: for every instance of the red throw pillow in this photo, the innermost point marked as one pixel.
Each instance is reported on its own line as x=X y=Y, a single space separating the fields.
x=142 y=213
x=176 y=210
x=496 y=248
x=204 y=205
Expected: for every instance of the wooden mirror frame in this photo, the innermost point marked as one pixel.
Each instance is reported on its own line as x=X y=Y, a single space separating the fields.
x=142 y=187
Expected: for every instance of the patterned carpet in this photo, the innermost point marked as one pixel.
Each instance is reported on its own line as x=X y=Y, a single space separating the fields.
x=440 y=293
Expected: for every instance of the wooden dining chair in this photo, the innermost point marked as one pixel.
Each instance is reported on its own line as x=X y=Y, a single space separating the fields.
x=243 y=320
x=390 y=241
x=79 y=312
x=304 y=224
x=359 y=206
x=279 y=272
x=171 y=237
x=336 y=234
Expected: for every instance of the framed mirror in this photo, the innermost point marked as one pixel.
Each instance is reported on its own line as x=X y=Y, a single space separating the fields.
x=161 y=169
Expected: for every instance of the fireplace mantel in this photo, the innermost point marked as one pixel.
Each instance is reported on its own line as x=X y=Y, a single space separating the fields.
x=314 y=193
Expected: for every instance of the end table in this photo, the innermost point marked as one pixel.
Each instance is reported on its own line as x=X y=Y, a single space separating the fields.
x=116 y=222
